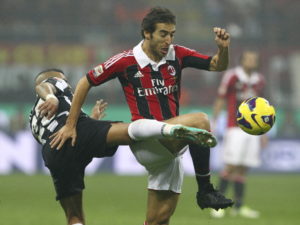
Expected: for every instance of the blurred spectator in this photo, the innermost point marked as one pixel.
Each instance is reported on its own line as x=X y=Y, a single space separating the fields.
x=60 y=20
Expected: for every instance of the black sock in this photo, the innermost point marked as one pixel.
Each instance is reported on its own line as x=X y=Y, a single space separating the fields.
x=223 y=185
x=200 y=156
x=239 y=189
x=202 y=180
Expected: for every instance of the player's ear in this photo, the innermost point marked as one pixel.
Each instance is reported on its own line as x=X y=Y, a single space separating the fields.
x=147 y=35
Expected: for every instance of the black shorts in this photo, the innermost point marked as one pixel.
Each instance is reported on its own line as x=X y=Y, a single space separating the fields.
x=67 y=165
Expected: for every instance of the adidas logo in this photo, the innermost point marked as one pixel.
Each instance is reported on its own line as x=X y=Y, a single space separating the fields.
x=138 y=74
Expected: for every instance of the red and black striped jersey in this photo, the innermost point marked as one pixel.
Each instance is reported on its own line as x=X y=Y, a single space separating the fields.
x=152 y=90
x=236 y=86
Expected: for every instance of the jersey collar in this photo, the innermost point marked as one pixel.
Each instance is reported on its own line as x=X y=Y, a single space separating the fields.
x=143 y=60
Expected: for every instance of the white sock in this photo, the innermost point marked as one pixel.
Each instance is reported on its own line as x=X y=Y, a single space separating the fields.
x=145 y=129
x=77 y=224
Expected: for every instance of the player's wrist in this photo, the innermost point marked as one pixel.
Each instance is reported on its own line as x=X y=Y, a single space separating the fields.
x=223 y=49
x=48 y=96
x=70 y=123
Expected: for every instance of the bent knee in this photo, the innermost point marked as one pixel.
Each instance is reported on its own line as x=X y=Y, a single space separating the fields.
x=200 y=120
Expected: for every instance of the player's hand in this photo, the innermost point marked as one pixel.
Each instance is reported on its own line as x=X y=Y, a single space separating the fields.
x=222 y=37
x=98 y=111
x=61 y=136
x=49 y=107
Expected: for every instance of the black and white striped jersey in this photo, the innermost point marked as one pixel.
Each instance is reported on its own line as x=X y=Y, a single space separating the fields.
x=41 y=127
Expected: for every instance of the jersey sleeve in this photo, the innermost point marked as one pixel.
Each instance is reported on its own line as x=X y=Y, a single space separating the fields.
x=192 y=58
x=106 y=71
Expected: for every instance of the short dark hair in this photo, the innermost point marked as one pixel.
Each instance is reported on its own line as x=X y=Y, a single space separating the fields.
x=154 y=16
x=242 y=55
x=49 y=70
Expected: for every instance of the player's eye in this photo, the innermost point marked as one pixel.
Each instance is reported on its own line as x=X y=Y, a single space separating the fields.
x=163 y=34
x=166 y=34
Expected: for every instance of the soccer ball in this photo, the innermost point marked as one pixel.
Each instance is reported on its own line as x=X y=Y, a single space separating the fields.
x=255 y=116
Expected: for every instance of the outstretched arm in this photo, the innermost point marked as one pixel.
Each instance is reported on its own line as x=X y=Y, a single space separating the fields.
x=220 y=61
x=47 y=91
x=80 y=94
x=69 y=130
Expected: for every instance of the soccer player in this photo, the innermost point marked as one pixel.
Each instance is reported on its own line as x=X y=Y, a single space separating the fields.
x=150 y=75
x=240 y=150
x=95 y=138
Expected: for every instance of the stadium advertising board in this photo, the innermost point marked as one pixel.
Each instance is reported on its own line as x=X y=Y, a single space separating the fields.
x=21 y=153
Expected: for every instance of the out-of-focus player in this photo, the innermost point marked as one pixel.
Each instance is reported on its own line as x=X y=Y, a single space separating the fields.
x=240 y=150
x=95 y=138
x=150 y=75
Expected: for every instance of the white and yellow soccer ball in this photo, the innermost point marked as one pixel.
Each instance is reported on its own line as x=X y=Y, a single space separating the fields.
x=256 y=116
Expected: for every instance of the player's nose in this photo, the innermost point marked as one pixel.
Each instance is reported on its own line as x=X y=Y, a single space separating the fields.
x=168 y=39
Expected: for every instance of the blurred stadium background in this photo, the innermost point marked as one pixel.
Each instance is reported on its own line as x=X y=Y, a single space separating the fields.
x=76 y=35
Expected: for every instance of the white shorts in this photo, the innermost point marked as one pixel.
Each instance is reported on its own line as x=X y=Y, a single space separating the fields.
x=240 y=148
x=165 y=169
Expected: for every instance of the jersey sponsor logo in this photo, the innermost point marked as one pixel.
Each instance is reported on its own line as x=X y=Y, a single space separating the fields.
x=157 y=82
x=157 y=90
x=97 y=71
x=171 y=70
x=138 y=74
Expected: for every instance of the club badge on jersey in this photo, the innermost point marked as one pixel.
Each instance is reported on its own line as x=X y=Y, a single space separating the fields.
x=171 y=70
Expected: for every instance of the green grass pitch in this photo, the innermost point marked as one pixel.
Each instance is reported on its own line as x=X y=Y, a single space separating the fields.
x=121 y=200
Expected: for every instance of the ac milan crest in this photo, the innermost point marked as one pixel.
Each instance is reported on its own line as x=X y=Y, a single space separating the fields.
x=171 y=70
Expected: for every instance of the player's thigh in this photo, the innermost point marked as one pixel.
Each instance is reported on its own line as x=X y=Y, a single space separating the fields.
x=161 y=206
x=173 y=145
x=165 y=170
x=198 y=120
x=92 y=138
x=118 y=134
